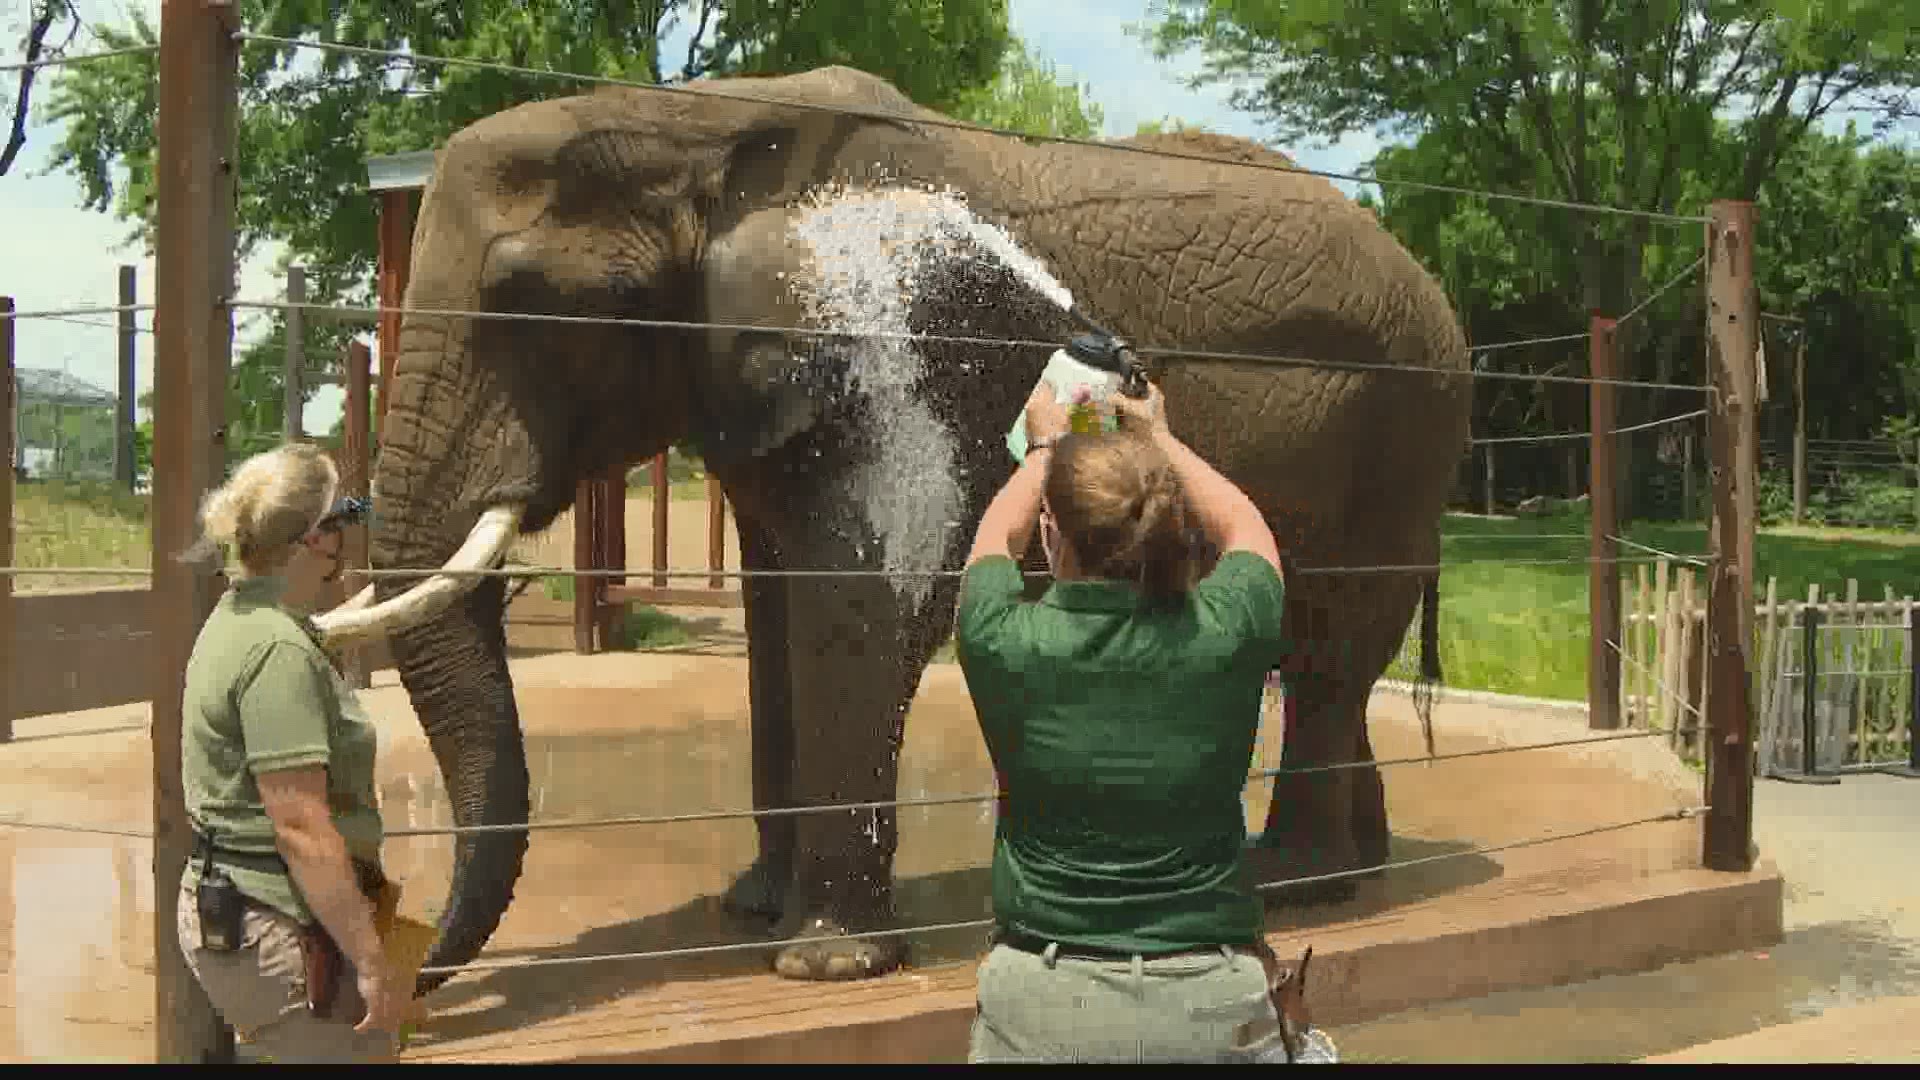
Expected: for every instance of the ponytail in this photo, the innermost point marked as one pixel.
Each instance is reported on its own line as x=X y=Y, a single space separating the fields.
x=1119 y=504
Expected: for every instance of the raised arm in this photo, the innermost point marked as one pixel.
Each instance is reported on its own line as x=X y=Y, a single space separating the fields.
x=1230 y=518
x=1007 y=526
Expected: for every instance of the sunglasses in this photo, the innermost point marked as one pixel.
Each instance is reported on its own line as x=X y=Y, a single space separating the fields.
x=344 y=512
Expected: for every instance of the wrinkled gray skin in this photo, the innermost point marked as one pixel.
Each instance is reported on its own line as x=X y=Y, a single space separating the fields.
x=647 y=205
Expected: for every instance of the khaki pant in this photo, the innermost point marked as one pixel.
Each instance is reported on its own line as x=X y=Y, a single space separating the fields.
x=1204 y=1007
x=261 y=992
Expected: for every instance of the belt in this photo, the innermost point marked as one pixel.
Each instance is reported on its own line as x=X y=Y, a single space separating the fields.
x=1030 y=943
x=371 y=878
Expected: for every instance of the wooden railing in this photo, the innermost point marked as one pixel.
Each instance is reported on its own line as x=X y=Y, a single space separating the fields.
x=600 y=543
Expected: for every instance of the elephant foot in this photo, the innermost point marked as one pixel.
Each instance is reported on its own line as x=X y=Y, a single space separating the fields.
x=832 y=960
x=1272 y=866
x=759 y=892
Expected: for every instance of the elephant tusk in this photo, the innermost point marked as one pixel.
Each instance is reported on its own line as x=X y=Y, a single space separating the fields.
x=489 y=540
x=355 y=602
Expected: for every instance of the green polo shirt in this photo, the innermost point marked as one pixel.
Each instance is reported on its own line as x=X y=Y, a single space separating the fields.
x=262 y=695
x=1122 y=739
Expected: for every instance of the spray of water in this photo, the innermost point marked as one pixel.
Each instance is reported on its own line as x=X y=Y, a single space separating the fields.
x=873 y=251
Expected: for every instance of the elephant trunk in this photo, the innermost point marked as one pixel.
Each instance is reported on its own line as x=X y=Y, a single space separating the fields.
x=455 y=670
x=454 y=463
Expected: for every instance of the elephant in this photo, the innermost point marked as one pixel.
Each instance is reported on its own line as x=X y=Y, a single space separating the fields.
x=749 y=231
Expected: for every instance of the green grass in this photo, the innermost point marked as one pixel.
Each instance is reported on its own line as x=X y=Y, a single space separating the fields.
x=1518 y=629
x=641 y=626
x=1523 y=629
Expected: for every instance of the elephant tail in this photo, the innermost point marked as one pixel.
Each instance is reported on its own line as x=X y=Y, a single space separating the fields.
x=1430 y=677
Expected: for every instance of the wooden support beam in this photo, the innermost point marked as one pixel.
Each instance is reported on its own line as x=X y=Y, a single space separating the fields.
x=1732 y=338
x=293 y=424
x=358 y=481
x=585 y=613
x=123 y=407
x=395 y=235
x=1603 y=578
x=716 y=532
x=193 y=340
x=662 y=491
x=1800 y=430
x=9 y=399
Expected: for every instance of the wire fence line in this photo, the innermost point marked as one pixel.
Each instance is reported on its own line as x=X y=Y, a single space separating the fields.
x=625 y=572
x=373 y=311
x=982 y=798
x=1662 y=290
x=77 y=58
x=1574 y=435
x=1694 y=560
x=734 y=94
x=1680 y=814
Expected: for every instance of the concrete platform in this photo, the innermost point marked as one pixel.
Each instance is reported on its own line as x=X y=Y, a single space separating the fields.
x=1883 y=1032
x=626 y=734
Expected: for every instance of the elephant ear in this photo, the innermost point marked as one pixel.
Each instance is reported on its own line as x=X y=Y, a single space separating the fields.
x=756 y=389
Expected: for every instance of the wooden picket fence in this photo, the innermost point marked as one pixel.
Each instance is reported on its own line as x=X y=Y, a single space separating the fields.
x=1862 y=658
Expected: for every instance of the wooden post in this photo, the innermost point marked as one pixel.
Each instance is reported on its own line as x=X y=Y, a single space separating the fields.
x=358 y=481
x=716 y=532
x=292 y=425
x=661 y=492
x=585 y=593
x=123 y=407
x=616 y=523
x=395 y=237
x=1733 y=330
x=1911 y=770
x=1603 y=578
x=6 y=526
x=610 y=513
x=1686 y=476
x=1488 y=508
x=193 y=341
x=1800 y=428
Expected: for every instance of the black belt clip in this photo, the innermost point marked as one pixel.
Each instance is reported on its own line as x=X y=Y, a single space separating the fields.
x=220 y=903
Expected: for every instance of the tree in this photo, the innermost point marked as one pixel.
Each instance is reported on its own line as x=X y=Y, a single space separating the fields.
x=1629 y=105
x=44 y=19
x=1027 y=95
x=309 y=120
x=1574 y=99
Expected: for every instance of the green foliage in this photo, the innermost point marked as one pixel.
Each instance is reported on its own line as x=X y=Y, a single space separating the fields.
x=1027 y=95
x=309 y=120
x=1165 y=124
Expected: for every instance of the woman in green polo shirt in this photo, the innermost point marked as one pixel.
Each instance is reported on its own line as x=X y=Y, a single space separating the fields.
x=1120 y=711
x=277 y=765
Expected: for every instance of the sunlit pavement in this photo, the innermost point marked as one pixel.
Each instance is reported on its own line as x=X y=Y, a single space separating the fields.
x=1853 y=936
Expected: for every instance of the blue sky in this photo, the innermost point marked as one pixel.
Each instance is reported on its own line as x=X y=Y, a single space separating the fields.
x=54 y=255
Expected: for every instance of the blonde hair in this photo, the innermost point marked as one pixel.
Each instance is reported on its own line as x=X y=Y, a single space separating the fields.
x=1116 y=500
x=267 y=505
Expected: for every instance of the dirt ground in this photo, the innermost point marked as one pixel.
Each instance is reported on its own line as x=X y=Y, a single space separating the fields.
x=643 y=734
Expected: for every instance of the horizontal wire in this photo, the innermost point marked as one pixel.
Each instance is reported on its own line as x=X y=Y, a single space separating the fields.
x=1527 y=341
x=1268 y=774
x=1566 y=435
x=1658 y=683
x=981 y=924
x=1662 y=290
x=1695 y=560
x=946 y=122
x=900 y=335
x=641 y=572
x=51 y=313
x=886 y=804
x=948 y=800
x=80 y=58
x=56 y=826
